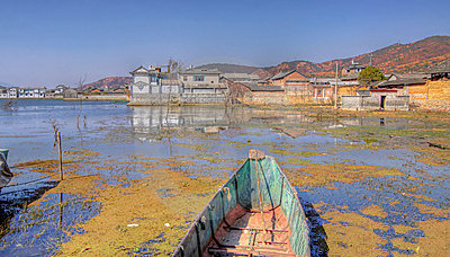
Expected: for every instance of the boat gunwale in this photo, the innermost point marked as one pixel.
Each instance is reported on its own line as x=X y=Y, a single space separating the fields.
x=233 y=176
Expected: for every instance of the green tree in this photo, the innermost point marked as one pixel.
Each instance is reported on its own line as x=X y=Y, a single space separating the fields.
x=370 y=74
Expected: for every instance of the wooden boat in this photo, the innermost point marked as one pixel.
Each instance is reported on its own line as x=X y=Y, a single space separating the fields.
x=5 y=173
x=255 y=213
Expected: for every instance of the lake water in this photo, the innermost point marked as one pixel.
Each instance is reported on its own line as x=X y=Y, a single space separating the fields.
x=367 y=183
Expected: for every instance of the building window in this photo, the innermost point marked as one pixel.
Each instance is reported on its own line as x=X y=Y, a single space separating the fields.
x=199 y=78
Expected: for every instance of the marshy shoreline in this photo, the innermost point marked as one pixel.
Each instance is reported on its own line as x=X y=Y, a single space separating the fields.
x=370 y=182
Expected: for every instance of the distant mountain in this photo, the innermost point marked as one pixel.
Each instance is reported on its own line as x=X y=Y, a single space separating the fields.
x=109 y=83
x=418 y=56
x=5 y=84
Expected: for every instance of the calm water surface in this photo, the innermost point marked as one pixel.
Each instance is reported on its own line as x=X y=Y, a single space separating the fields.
x=118 y=133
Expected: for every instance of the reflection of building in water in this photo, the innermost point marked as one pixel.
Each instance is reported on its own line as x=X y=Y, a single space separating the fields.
x=144 y=120
x=149 y=121
x=152 y=118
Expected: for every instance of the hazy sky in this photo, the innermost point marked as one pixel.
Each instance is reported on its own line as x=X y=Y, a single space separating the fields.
x=51 y=42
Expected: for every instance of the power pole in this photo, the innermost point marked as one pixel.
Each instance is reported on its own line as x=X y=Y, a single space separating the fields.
x=335 y=87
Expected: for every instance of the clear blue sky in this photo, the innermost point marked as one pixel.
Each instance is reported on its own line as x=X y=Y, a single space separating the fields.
x=50 y=42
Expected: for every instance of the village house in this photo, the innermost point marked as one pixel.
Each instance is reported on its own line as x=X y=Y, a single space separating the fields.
x=202 y=86
x=59 y=90
x=291 y=80
x=411 y=84
x=297 y=87
x=193 y=86
x=70 y=93
x=13 y=92
x=32 y=92
x=248 y=92
x=152 y=86
x=4 y=92
x=323 y=89
x=354 y=67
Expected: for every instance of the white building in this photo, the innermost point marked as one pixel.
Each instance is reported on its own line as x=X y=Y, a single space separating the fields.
x=32 y=92
x=13 y=92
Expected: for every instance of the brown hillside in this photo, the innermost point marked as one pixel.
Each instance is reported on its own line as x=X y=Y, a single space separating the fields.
x=417 y=56
x=109 y=82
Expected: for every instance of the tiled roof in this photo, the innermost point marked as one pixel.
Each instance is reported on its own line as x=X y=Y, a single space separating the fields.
x=240 y=76
x=355 y=66
x=352 y=76
x=401 y=82
x=200 y=71
x=284 y=74
x=416 y=75
x=254 y=87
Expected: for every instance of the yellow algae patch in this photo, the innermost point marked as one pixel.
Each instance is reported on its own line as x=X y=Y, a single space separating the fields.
x=432 y=210
x=434 y=161
x=37 y=163
x=319 y=174
x=401 y=244
x=142 y=204
x=82 y=153
x=74 y=184
x=435 y=157
x=196 y=147
x=374 y=210
x=355 y=232
x=49 y=167
x=422 y=197
x=436 y=240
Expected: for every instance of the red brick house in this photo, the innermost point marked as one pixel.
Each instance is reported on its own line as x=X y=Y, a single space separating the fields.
x=292 y=78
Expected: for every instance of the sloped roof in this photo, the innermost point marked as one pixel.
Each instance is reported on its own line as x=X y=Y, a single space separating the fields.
x=401 y=82
x=253 y=86
x=355 y=66
x=352 y=76
x=415 y=75
x=284 y=74
x=136 y=70
x=240 y=76
x=200 y=71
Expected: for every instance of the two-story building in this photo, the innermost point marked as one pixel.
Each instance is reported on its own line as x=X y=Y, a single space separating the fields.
x=202 y=81
x=152 y=86
x=193 y=86
x=32 y=92
x=13 y=92
x=202 y=86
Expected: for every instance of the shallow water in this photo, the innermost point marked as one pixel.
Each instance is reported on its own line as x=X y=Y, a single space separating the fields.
x=119 y=145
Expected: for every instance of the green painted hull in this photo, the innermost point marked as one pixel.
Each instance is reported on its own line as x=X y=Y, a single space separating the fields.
x=272 y=192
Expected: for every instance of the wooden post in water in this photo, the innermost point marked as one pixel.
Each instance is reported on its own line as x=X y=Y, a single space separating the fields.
x=336 y=87
x=60 y=156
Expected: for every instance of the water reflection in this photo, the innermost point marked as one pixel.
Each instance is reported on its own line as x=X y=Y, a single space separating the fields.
x=295 y=137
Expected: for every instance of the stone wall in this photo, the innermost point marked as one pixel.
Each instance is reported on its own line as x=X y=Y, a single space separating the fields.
x=434 y=96
x=263 y=98
x=373 y=102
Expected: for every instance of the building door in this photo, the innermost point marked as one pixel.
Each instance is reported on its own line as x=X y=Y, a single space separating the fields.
x=382 y=101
